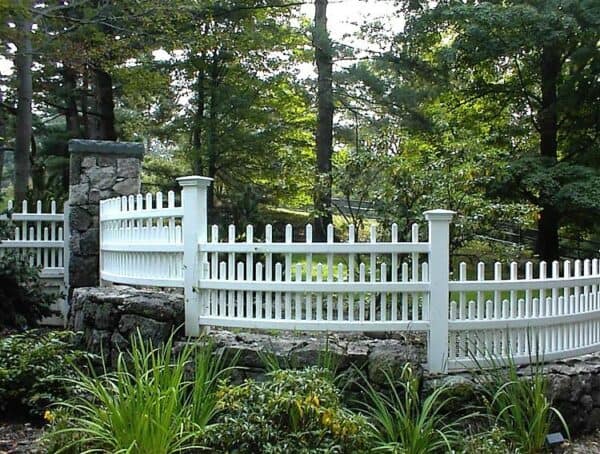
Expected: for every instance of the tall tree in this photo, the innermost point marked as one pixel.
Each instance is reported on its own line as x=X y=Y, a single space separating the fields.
x=541 y=59
x=325 y=109
x=23 y=68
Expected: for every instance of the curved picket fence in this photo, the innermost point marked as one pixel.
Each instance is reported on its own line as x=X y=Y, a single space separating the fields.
x=378 y=283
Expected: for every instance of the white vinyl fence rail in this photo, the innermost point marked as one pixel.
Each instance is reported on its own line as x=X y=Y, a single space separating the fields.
x=41 y=237
x=234 y=279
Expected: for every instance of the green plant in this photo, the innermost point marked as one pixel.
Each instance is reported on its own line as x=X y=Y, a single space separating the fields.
x=492 y=441
x=519 y=405
x=32 y=367
x=24 y=300
x=294 y=411
x=403 y=422
x=147 y=405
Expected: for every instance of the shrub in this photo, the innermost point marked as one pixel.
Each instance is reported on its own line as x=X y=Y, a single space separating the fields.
x=147 y=405
x=295 y=411
x=32 y=367
x=24 y=300
x=519 y=406
x=402 y=422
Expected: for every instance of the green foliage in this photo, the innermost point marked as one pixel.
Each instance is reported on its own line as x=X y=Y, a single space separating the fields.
x=34 y=368
x=147 y=405
x=518 y=405
x=294 y=411
x=24 y=300
x=403 y=422
x=488 y=442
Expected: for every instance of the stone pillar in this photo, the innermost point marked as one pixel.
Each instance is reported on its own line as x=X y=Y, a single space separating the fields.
x=98 y=170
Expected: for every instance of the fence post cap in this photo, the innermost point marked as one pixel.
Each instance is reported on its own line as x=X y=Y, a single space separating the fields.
x=194 y=180
x=439 y=215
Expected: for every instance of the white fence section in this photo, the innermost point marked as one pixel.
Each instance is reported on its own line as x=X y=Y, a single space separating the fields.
x=141 y=241
x=41 y=236
x=546 y=313
x=377 y=284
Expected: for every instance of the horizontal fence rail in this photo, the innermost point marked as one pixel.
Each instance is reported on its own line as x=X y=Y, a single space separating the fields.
x=40 y=237
x=346 y=283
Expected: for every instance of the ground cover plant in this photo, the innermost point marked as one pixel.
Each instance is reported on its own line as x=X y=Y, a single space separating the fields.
x=35 y=368
x=293 y=411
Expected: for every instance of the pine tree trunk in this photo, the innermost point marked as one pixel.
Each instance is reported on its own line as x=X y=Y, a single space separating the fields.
x=24 y=126
x=71 y=114
x=2 y=139
x=211 y=130
x=198 y=124
x=324 y=132
x=549 y=220
x=106 y=105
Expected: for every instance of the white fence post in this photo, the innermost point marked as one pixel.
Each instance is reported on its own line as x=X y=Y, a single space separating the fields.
x=195 y=226
x=439 y=264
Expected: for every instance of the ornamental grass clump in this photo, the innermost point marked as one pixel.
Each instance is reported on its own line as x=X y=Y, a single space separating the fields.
x=147 y=405
x=517 y=404
x=403 y=422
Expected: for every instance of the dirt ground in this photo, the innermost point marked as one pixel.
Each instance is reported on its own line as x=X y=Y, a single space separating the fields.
x=23 y=438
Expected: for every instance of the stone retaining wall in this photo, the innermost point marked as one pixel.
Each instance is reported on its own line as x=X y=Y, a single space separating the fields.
x=108 y=316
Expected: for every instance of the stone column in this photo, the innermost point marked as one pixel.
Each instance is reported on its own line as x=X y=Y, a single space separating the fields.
x=98 y=170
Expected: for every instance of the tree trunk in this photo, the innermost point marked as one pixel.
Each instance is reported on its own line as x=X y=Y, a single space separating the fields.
x=2 y=139
x=197 y=166
x=324 y=132
x=23 y=64
x=71 y=114
x=106 y=105
x=88 y=127
x=38 y=173
x=549 y=220
x=211 y=130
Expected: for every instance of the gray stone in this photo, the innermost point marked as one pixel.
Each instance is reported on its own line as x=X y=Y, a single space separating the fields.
x=128 y=167
x=96 y=195
x=83 y=271
x=101 y=177
x=107 y=161
x=75 y=169
x=157 y=306
x=149 y=329
x=98 y=341
x=74 y=243
x=389 y=357
x=119 y=341
x=127 y=187
x=89 y=242
x=106 y=147
x=80 y=219
x=106 y=316
x=78 y=194
x=88 y=161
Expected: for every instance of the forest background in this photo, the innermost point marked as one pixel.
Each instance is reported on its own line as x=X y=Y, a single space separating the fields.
x=490 y=109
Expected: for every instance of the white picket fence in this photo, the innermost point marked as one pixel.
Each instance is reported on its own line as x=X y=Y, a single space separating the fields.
x=41 y=237
x=372 y=284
